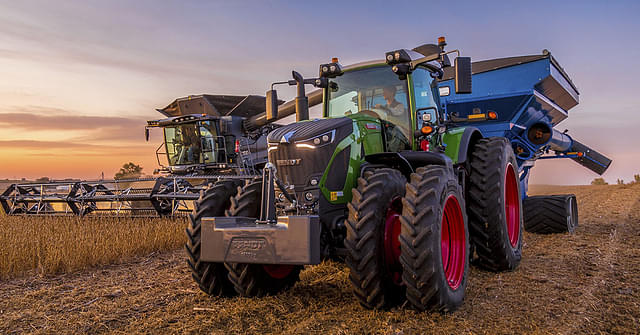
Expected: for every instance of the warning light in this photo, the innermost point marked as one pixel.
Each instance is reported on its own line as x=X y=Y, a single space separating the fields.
x=442 y=41
x=492 y=115
x=334 y=60
x=426 y=130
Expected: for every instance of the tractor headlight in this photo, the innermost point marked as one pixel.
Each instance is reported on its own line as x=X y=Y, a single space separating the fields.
x=397 y=57
x=330 y=70
x=317 y=141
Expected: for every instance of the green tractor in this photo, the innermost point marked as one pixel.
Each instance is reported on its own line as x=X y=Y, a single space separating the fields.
x=385 y=180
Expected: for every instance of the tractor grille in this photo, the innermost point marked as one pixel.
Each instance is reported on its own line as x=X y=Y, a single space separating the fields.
x=297 y=165
x=310 y=162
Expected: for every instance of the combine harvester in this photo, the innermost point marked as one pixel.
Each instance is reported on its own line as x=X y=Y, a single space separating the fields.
x=206 y=138
x=409 y=175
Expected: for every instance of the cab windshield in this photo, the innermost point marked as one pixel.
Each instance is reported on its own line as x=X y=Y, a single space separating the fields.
x=192 y=143
x=374 y=91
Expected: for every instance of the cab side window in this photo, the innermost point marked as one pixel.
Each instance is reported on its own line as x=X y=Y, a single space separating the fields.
x=424 y=87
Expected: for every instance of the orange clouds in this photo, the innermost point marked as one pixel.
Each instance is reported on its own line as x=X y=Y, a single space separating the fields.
x=57 y=144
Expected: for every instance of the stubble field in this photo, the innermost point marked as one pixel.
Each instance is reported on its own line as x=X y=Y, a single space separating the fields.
x=588 y=282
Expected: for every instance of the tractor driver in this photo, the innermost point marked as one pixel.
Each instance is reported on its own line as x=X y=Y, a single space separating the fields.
x=393 y=107
x=396 y=117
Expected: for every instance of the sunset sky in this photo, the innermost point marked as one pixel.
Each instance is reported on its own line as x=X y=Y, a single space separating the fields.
x=80 y=78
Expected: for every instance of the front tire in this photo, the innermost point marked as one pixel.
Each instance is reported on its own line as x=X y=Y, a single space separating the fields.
x=373 y=227
x=255 y=280
x=211 y=277
x=435 y=240
x=495 y=205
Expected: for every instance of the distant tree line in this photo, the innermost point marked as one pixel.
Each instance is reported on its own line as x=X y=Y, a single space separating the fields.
x=600 y=181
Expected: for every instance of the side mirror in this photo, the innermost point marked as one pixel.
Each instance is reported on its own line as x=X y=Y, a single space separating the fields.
x=272 y=105
x=146 y=134
x=463 y=75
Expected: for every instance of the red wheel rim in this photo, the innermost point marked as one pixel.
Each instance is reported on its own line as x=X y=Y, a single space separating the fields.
x=392 y=228
x=512 y=205
x=452 y=242
x=278 y=271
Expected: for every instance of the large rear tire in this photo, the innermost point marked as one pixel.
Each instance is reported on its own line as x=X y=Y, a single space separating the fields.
x=435 y=240
x=254 y=280
x=549 y=214
x=211 y=277
x=373 y=228
x=494 y=205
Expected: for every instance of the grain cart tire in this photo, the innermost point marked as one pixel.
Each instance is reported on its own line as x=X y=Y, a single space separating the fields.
x=255 y=280
x=373 y=227
x=549 y=214
x=211 y=277
x=434 y=240
x=494 y=205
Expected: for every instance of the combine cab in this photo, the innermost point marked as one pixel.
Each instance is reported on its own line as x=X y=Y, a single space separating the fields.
x=205 y=135
x=205 y=140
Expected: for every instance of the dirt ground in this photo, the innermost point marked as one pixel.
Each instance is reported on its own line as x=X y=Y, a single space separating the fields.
x=583 y=283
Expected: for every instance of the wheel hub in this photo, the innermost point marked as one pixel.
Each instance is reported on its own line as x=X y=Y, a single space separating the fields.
x=278 y=271
x=452 y=242
x=392 y=228
x=512 y=206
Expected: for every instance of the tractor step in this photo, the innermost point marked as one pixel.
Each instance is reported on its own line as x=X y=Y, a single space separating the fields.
x=292 y=240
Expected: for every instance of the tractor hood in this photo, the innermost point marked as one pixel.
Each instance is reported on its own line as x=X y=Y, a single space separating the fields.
x=307 y=130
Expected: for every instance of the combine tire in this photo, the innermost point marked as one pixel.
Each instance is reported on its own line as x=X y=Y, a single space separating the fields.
x=254 y=280
x=373 y=228
x=211 y=277
x=551 y=214
x=435 y=240
x=494 y=205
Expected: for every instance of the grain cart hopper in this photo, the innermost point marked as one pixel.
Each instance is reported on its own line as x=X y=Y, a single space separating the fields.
x=385 y=180
x=204 y=140
x=523 y=99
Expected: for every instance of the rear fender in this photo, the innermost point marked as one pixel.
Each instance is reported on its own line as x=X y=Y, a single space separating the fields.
x=459 y=143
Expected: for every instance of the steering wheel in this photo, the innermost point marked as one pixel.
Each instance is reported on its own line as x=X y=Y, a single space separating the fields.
x=369 y=112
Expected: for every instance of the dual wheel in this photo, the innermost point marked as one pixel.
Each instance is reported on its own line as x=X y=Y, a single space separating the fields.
x=231 y=198
x=408 y=240
x=413 y=239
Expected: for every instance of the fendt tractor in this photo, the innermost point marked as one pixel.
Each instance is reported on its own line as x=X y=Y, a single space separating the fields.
x=205 y=139
x=409 y=177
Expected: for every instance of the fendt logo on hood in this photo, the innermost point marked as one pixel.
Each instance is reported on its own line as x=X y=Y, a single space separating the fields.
x=286 y=137
x=289 y=162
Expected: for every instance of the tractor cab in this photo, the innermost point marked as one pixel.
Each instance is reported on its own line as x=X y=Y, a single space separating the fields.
x=401 y=105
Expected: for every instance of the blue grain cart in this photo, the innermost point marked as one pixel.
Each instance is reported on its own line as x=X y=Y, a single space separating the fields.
x=523 y=99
